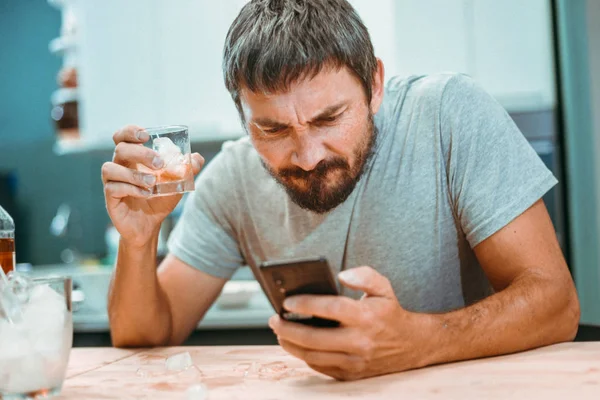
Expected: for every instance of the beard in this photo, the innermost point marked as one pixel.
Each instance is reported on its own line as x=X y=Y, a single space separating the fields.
x=313 y=191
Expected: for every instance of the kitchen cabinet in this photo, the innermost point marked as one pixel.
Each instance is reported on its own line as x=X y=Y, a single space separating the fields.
x=431 y=36
x=154 y=62
x=513 y=52
x=505 y=45
x=381 y=22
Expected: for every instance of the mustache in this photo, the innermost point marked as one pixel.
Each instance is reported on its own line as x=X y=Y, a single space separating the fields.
x=318 y=172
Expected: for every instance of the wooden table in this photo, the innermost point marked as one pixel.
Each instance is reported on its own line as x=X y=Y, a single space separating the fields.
x=565 y=371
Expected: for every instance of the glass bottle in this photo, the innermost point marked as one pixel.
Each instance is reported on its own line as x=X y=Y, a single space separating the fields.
x=7 y=242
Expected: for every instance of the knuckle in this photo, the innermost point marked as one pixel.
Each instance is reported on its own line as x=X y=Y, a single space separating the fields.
x=365 y=348
x=357 y=365
x=324 y=370
x=332 y=307
x=137 y=177
x=388 y=285
x=149 y=154
x=131 y=128
x=119 y=149
x=389 y=308
x=116 y=135
x=105 y=170
x=368 y=317
x=345 y=375
x=309 y=357
x=303 y=354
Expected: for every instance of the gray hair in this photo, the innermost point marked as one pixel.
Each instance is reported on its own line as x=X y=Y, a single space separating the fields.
x=274 y=43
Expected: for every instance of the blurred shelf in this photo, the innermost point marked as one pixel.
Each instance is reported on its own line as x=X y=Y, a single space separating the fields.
x=61 y=45
x=70 y=146
x=255 y=315
x=77 y=146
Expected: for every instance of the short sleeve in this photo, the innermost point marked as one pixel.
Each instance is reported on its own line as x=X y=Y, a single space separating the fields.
x=205 y=237
x=494 y=175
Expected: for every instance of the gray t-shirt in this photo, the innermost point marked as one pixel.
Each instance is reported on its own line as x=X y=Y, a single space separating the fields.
x=450 y=169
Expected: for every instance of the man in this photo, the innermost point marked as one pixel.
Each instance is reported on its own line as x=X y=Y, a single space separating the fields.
x=422 y=194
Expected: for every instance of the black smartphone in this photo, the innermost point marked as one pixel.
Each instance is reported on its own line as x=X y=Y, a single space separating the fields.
x=282 y=279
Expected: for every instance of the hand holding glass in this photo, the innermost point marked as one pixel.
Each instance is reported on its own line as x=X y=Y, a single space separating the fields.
x=172 y=143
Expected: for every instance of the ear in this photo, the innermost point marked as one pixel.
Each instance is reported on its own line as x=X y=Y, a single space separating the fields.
x=377 y=87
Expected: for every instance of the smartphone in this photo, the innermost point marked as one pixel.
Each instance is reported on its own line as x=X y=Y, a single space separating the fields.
x=301 y=276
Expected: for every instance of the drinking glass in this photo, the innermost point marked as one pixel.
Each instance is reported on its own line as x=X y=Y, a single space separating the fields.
x=173 y=145
x=35 y=348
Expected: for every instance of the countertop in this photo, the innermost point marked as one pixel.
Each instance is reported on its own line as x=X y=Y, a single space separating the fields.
x=570 y=370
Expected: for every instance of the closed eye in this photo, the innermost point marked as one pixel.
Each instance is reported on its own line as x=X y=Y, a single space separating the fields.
x=328 y=119
x=273 y=131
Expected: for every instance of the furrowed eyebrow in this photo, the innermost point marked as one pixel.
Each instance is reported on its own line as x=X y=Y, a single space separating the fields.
x=272 y=124
x=327 y=112
x=269 y=123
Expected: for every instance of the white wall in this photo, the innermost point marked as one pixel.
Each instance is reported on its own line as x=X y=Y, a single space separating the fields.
x=158 y=62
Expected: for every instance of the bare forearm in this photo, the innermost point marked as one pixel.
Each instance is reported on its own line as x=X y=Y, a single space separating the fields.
x=138 y=309
x=531 y=312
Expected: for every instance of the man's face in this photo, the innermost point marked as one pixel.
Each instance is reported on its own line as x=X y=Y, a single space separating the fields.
x=315 y=138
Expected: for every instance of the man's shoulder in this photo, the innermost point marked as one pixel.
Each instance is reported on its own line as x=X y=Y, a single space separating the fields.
x=238 y=152
x=236 y=160
x=432 y=86
x=240 y=146
x=423 y=95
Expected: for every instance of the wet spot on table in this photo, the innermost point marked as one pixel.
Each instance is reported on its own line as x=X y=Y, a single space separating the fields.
x=170 y=386
x=222 y=381
x=151 y=357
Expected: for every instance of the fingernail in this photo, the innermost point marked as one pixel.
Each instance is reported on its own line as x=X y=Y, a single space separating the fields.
x=147 y=192
x=349 y=276
x=150 y=179
x=289 y=304
x=142 y=135
x=157 y=162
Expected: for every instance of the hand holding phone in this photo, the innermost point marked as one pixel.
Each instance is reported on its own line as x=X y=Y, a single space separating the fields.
x=282 y=279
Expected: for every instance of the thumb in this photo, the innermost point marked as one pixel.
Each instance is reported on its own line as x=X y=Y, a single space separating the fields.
x=197 y=162
x=367 y=280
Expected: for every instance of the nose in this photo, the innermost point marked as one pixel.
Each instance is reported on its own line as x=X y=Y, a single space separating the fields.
x=309 y=152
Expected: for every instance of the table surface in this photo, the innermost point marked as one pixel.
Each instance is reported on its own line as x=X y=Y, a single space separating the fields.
x=570 y=370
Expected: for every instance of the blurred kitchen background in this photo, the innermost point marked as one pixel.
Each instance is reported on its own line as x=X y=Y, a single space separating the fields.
x=74 y=71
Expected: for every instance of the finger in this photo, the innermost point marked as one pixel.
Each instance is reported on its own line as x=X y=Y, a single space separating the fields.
x=119 y=190
x=319 y=358
x=333 y=372
x=129 y=154
x=339 y=308
x=197 y=162
x=118 y=173
x=325 y=339
x=367 y=280
x=131 y=134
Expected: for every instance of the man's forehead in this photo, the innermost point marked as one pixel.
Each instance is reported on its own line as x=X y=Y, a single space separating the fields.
x=311 y=94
